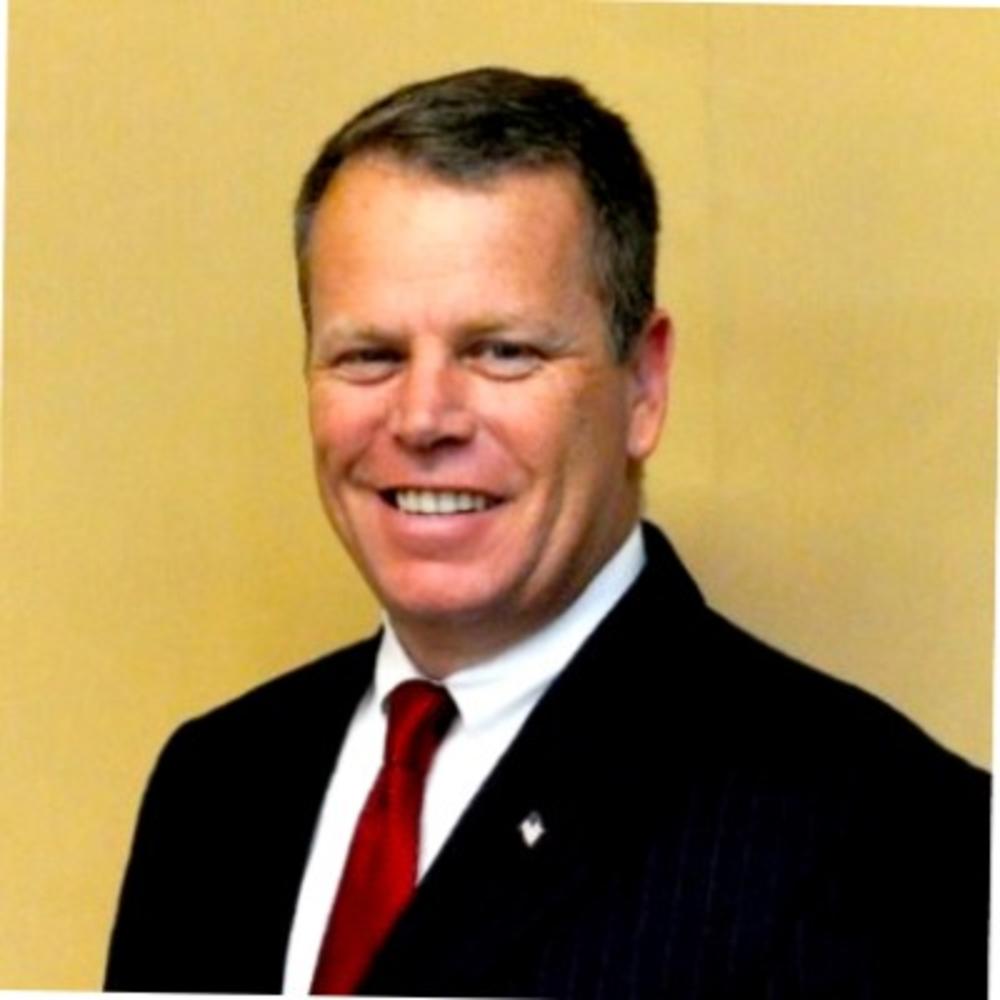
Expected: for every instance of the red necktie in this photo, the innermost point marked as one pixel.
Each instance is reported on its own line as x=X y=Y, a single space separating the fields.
x=381 y=870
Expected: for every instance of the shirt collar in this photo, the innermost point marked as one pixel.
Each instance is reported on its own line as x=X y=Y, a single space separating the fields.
x=519 y=675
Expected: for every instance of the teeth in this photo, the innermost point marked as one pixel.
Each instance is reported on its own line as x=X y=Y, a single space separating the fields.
x=439 y=501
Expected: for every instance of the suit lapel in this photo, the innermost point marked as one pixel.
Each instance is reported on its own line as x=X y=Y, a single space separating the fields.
x=571 y=777
x=297 y=751
x=312 y=727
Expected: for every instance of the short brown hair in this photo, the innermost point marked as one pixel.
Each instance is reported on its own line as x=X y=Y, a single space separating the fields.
x=472 y=126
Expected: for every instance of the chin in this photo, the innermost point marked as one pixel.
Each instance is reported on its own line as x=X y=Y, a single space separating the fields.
x=446 y=599
x=446 y=609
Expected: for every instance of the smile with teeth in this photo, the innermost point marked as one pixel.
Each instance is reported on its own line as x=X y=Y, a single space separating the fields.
x=413 y=501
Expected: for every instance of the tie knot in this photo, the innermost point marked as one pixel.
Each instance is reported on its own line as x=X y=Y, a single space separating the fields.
x=419 y=716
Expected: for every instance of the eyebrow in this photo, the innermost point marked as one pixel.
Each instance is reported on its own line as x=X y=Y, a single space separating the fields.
x=483 y=326
x=347 y=331
x=502 y=323
x=499 y=322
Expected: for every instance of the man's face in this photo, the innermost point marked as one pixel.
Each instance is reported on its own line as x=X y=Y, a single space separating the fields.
x=475 y=443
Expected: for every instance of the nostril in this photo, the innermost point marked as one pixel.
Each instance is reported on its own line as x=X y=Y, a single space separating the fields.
x=426 y=431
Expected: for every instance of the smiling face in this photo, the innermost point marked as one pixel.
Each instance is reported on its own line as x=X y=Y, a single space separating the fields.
x=476 y=446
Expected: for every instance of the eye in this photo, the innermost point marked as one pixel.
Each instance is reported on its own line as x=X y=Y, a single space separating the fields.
x=504 y=359
x=366 y=364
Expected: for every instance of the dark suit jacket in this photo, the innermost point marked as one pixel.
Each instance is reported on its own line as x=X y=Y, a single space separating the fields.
x=720 y=822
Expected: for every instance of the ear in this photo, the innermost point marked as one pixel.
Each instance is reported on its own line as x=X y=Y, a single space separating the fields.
x=649 y=377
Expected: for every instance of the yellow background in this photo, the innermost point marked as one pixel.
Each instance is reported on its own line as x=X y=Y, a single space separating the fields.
x=832 y=204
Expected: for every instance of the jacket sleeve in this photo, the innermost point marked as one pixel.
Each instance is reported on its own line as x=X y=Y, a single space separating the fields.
x=902 y=909
x=154 y=939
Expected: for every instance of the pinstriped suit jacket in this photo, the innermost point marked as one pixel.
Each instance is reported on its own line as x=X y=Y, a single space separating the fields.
x=720 y=822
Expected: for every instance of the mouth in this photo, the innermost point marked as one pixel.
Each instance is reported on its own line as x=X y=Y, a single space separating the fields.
x=438 y=502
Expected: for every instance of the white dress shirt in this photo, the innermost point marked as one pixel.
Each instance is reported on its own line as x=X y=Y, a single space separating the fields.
x=494 y=698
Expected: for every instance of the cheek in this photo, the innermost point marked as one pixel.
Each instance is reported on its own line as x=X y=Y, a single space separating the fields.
x=598 y=426
x=555 y=442
x=531 y=429
x=561 y=421
x=340 y=427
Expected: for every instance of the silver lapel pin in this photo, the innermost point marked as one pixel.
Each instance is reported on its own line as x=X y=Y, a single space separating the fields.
x=532 y=828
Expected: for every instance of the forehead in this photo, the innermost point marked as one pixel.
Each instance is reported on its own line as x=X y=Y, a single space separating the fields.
x=382 y=167
x=382 y=222
x=384 y=181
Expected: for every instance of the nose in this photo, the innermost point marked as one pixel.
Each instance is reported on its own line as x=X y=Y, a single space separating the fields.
x=430 y=408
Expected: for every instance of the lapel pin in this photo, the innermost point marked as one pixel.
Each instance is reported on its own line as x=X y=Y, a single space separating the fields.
x=532 y=829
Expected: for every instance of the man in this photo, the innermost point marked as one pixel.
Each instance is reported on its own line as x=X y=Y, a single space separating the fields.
x=592 y=785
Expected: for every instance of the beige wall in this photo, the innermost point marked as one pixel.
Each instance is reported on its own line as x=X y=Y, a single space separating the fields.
x=832 y=204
